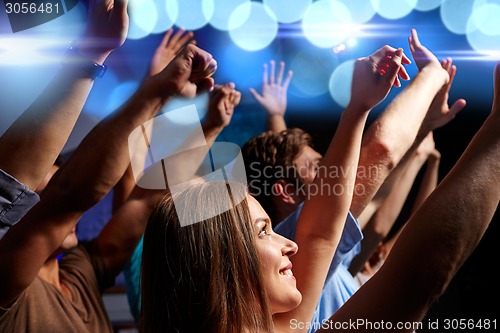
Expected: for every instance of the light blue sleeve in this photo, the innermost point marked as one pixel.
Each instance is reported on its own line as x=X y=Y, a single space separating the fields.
x=132 y=273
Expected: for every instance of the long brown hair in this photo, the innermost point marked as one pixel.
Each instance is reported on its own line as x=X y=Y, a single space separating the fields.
x=203 y=277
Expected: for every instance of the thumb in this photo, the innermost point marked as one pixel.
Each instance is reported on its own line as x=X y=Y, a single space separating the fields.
x=457 y=107
x=255 y=94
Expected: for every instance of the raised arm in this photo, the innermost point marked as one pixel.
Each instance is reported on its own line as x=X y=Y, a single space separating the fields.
x=383 y=220
x=95 y=167
x=169 y=47
x=322 y=219
x=31 y=145
x=427 y=186
x=419 y=109
x=429 y=180
x=273 y=98
x=438 y=238
x=118 y=239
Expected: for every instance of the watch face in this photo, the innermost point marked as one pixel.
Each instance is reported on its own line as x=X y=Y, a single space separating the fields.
x=99 y=70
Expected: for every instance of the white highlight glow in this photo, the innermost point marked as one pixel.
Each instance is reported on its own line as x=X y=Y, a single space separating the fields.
x=194 y=14
x=168 y=11
x=253 y=26
x=392 y=10
x=340 y=83
x=327 y=23
x=427 y=5
x=29 y=51
x=288 y=11
x=143 y=17
x=362 y=11
x=455 y=14
x=223 y=10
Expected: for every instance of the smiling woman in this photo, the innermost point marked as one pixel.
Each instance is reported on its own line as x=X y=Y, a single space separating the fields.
x=204 y=277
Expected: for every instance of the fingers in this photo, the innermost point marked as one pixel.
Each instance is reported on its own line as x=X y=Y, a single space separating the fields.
x=288 y=78
x=446 y=64
x=271 y=76
x=265 y=79
x=206 y=84
x=236 y=97
x=176 y=41
x=203 y=64
x=280 y=73
x=414 y=37
x=184 y=39
x=176 y=36
x=405 y=60
x=384 y=56
x=166 y=37
x=452 y=72
x=393 y=67
x=403 y=74
x=397 y=83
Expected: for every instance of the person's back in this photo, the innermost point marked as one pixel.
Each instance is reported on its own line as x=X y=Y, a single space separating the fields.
x=43 y=308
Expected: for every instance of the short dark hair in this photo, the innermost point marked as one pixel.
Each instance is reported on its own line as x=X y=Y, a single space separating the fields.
x=274 y=152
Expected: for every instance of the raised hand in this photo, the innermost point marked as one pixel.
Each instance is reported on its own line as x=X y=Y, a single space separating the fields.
x=221 y=105
x=169 y=47
x=420 y=53
x=440 y=113
x=107 y=25
x=189 y=74
x=375 y=75
x=274 y=90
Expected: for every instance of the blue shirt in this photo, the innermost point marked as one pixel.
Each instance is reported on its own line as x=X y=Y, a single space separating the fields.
x=340 y=285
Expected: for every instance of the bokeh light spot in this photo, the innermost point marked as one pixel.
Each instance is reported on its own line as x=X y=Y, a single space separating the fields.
x=255 y=32
x=340 y=83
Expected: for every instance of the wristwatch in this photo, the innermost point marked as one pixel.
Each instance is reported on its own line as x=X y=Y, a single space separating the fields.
x=89 y=68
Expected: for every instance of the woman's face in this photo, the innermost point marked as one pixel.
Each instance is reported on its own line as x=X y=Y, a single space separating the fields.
x=274 y=252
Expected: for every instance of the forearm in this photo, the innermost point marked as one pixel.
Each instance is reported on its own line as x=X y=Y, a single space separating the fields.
x=104 y=151
x=382 y=222
x=337 y=171
x=275 y=123
x=322 y=219
x=31 y=145
x=390 y=137
x=444 y=231
x=429 y=181
x=119 y=238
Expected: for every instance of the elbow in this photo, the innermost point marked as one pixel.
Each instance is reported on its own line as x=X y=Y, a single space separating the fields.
x=75 y=194
x=381 y=152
